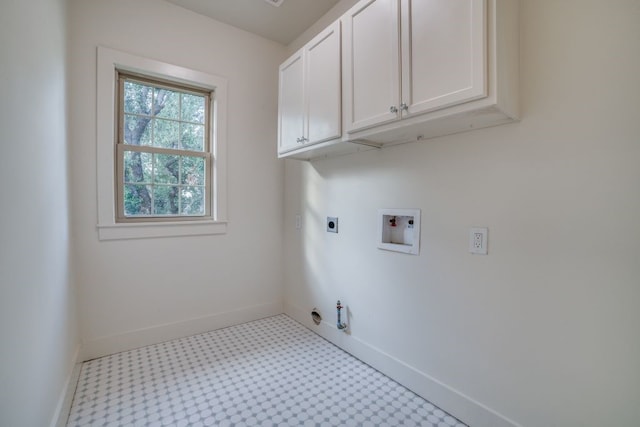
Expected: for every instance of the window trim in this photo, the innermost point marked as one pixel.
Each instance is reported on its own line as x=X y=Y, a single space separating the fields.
x=109 y=63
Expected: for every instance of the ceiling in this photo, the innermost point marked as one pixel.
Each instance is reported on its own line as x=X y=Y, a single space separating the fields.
x=282 y=24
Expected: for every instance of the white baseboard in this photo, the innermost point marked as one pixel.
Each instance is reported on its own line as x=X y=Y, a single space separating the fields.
x=63 y=407
x=448 y=399
x=141 y=337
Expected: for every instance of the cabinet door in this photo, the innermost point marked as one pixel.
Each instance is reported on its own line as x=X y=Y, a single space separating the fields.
x=323 y=85
x=291 y=103
x=371 y=73
x=443 y=53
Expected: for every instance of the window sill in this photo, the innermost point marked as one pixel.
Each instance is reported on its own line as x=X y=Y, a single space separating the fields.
x=151 y=230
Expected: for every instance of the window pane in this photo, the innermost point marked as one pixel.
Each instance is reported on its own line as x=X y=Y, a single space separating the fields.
x=136 y=130
x=137 y=200
x=165 y=199
x=192 y=170
x=166 y=122
x=166 y=103
x=192 y=201
x=137 y=98
x=192 y=137
x=166 y=169
x=137 y=167
x=166 y=133
x=193 y=108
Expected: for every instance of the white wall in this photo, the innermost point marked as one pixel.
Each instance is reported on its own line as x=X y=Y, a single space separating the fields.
x=38 y=331
x=334 y=13
x=543 y=330
x=137 y=291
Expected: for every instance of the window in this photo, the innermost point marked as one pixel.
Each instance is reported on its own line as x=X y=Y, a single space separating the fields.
x=163 y=155
x=161 y=149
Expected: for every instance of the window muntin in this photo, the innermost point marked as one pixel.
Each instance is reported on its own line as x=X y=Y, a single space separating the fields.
x=163 y=151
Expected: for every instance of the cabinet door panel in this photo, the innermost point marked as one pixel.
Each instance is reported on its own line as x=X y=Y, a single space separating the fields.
x=371 y=76
x=444 y=48
x=323 y=86
x=291 y=104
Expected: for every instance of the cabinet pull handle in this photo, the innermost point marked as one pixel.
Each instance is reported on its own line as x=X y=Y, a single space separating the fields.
x=393 y=109
x=404 y=107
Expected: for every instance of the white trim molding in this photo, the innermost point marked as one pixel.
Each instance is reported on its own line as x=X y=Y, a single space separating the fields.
x=109 y=61
x=104 y=346
x=63 y=408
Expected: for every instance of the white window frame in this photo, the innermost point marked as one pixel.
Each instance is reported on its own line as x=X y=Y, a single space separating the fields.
x=110 y=61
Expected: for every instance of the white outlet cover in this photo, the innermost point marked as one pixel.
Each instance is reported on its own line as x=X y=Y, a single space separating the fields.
x=478 y=240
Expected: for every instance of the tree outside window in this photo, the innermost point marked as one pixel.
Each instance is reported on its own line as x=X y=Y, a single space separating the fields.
x=163 y=151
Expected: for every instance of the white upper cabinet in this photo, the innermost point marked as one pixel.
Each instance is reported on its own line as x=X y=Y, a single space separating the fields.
x=371 y=63
x=291 y=103
x=408 y=69
x=443 y=53
x=406 y=57
x=323 y=86
x=310 y=94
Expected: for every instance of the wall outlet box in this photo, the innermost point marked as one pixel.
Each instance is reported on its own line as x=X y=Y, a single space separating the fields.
x=332 y=224
x=478 y=240
x=399 y=230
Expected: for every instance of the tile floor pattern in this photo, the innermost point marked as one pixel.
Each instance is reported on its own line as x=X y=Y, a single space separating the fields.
x=271 y=372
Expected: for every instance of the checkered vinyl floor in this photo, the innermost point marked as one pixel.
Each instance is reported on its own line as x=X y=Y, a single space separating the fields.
x=270 y=372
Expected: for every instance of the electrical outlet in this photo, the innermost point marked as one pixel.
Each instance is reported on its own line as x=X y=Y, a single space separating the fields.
x=332 y=224
x=478 y=240
x=298 y=222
